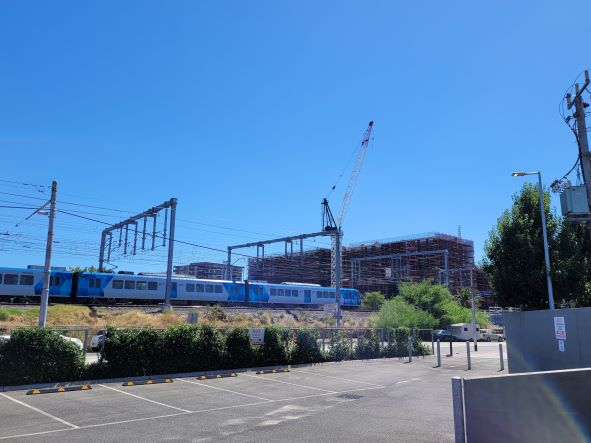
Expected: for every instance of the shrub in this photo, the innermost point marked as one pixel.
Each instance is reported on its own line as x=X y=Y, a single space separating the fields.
x=239 y=351
x=306 y=348
x=398 y=312
x=209 y=350
x=274 y=351
x=181 y=345
x=39 y=356
x=372 y=300
x=368 y=345
x=340 y=347
x=132 y=352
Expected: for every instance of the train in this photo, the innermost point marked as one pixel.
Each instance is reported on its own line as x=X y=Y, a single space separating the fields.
x=103 y=288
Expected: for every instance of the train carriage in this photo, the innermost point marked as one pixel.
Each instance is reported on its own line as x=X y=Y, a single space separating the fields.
x=27 y=284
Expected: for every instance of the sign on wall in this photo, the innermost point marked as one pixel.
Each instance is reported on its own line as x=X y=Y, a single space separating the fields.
x=559 y=328
x=257 y=336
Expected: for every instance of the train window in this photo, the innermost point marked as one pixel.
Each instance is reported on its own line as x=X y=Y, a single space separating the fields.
x=0 y=279
x=280 y=292
x=152 y=286
x=97 y=283
x=117 y=284
x=319 y=294
x=141 y=285
x=90 y=283
x=273 y=291
x=294 y=293
x=26 y=280
x=218 y=289
x=190 y=287
x=129 y=284
x=10 y=279
x=54 y=281
x=307 y=293
x=209 y=288
x=199 y=288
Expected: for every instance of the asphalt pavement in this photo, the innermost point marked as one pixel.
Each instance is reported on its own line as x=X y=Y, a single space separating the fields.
x=376 y=400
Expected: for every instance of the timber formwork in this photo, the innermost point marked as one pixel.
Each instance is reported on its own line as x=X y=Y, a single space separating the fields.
x=408 y=259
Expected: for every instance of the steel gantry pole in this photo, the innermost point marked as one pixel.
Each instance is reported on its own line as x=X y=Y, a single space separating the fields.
x=167 y=305
x=337 y=237
x=47 y=268
x=545 y=235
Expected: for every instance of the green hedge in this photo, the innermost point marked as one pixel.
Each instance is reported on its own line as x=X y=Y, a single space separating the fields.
x=41 y=355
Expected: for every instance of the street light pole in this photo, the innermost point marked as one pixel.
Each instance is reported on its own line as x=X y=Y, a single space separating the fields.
x=544 y=233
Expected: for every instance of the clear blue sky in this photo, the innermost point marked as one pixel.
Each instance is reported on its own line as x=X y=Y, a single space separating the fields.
x=247 y=112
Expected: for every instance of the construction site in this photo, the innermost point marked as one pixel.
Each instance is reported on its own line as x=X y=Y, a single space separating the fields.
x=380 y=265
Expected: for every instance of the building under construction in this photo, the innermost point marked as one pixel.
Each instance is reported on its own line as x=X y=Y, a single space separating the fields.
x=380 y=265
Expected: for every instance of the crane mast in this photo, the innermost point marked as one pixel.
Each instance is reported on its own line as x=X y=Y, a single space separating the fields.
x=336 y=256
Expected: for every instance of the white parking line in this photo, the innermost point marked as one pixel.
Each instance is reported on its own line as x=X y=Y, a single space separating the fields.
x=144 y=398
x=288 y=383
x=336 y=378
x=188 y=412
x=222 y=389
x=39 y=411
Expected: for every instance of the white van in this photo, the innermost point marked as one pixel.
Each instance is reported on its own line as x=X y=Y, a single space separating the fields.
x=464 y=331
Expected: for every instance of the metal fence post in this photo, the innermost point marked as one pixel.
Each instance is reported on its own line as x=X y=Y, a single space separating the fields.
x=451 y=349
x=85 y=341
x=438 y=353
x=501 y=356
x=458 y=408
x=409 y=349
x=468 y=354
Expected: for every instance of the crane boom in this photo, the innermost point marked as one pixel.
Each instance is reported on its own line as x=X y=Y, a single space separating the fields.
x=355 y=175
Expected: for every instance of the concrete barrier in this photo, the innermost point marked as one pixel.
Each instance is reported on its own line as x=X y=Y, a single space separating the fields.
x=548 y=406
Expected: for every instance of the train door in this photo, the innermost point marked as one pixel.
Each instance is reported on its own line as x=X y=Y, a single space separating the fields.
x=246 y=291
x=307 y=296
x=173 y=291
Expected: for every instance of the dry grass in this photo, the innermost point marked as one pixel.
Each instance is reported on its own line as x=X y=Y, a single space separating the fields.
x=99 y=318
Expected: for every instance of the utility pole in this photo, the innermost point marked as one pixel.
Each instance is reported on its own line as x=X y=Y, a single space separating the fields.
x=167 y=305
x=47 y=268
x=582 y=139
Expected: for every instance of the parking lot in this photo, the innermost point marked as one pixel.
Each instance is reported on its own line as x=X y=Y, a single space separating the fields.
x=377 y=400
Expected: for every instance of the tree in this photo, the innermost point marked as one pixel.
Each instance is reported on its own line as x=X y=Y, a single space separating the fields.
x=514 y=261
x=372 y=300
x=465 y=298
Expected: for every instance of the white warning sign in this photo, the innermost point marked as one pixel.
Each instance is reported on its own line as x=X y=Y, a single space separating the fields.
x=559 y=328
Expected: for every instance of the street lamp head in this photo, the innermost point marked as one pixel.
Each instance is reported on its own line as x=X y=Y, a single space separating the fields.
x=522 y=173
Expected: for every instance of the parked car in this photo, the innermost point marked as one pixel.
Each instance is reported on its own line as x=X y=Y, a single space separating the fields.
x=77 y=342
x=491 y=335
x=443 y=335
x=98 y=341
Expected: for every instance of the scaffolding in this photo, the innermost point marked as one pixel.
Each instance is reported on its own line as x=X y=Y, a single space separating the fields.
x=377 y=265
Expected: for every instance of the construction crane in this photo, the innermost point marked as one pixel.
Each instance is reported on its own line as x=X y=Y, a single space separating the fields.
x=328 y=221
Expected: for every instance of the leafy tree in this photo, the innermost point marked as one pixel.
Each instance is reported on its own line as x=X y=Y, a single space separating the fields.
x=372 y=300
x=514 y=261
x=398 y=312
x=465 y=298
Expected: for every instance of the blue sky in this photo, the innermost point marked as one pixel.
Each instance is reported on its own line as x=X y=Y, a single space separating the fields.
x=247 y=112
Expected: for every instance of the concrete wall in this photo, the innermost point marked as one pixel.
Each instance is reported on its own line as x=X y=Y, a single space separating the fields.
x=535 y=407
x=532 y=345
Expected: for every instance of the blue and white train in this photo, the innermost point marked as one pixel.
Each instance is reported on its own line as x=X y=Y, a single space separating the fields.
x=92 y=287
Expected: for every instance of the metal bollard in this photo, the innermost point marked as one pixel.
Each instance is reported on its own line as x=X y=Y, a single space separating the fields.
x=501 y=356
x=409 y=349
x=432 y=342
x=468 y=354
x=451 y=349
x=458 y=409
x=438 y=353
